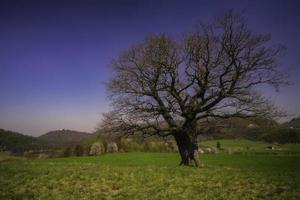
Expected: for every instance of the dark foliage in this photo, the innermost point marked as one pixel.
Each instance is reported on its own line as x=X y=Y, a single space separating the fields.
x=78 y=150
x=17 y=142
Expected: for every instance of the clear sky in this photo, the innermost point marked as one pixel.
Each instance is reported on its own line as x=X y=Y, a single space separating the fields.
x=55 y=55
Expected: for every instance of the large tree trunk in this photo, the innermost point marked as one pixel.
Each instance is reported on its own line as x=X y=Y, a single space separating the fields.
x=187 y=149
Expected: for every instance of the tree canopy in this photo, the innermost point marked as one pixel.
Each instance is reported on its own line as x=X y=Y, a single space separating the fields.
x=164 y=86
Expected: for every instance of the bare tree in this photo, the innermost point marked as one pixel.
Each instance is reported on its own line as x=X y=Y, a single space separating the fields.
x=165 y=87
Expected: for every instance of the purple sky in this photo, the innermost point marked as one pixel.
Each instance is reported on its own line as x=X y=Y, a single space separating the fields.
x=55 y=55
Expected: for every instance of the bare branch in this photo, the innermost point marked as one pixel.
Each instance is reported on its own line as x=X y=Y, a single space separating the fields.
x=162 y=86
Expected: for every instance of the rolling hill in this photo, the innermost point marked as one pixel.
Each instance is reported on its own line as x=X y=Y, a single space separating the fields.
x=17 y=142
x=63 y=138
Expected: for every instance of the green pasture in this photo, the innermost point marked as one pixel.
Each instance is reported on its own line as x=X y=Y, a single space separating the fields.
x=253 y=146
x=152 y=176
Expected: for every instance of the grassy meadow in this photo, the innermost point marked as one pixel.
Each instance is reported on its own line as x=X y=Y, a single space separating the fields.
x=255 y=147
x=140 y=175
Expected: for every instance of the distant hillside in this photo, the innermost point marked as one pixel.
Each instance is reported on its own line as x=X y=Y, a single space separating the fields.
x=294 y=123
x=16 y=142
x=63 y=138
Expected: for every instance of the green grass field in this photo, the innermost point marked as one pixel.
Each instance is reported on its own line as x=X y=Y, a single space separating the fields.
x=152 y=176
x=254 y=146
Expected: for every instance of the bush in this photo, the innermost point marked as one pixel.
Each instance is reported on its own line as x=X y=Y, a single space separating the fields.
x=97 y=148
x=218 y=145
x=29 y=154
x=43 y=156
x=67 y=152
x=86 y=150
x=129 y=145
x=282 y=135
x=78 y=151
x=153 y=147
x=112 y=147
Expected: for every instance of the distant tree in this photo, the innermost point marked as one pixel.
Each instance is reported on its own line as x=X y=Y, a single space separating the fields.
x=218 y=145
x=165 y=87
x=78 y=151
x=86 y=149
x=282 y=135
x=67 y=152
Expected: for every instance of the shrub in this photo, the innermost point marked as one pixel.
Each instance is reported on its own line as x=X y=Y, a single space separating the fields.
x=97 y=148
x=112 y=147
x=218 y=145
x=78 y=151
x=86 y=150
x=67 y=152
x=29 y=154
x=282 y=135
x=43 y=156
x=129 y=145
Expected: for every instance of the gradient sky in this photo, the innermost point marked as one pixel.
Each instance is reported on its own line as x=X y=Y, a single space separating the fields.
x=55 y=55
